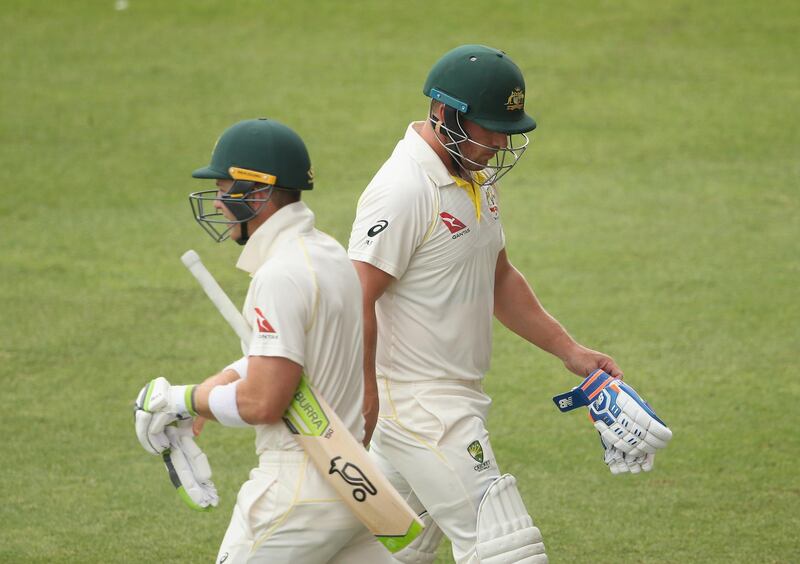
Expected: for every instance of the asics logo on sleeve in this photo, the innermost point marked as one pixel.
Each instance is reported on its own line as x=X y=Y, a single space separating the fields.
x=377 y=228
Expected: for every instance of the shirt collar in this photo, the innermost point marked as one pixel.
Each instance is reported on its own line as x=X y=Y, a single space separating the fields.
x=427 y=158
x=290 y=220
x=473 y=190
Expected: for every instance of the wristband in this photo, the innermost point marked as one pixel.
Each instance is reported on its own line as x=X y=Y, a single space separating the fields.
x=182 y=397
x=240 y=367
x=222 y=403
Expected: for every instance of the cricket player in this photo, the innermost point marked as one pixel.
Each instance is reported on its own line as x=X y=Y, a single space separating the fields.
x=429 y=248
x=303 y=306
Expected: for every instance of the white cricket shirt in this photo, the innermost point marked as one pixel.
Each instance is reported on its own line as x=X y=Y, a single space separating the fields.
x=439 y=239
x=304 y=304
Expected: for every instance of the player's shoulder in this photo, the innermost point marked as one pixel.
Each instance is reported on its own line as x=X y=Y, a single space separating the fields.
x=324 y=248
x=284 y=269
x=400 y=182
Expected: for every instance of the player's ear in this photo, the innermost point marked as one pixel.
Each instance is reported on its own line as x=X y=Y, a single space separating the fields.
x=437 y=114
x=440 y=110
x=262 y=192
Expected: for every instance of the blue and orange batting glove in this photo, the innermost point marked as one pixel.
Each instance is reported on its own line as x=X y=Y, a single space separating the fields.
x=630 y=431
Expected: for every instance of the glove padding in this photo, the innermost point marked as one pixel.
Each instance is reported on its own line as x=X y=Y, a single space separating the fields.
x=630 y=430
x=188 y=467
x=619 y=462
x=157 y=405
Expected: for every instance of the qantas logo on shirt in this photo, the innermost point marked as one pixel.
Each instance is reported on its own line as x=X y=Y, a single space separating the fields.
x=263 y=324
x=455 y=225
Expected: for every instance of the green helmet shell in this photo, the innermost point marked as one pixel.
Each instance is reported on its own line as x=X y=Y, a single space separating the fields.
x=484 y=85
x=261 y=150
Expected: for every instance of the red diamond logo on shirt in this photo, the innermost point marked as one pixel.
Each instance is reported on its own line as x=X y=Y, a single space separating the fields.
x=263 y=324
x=453 y=223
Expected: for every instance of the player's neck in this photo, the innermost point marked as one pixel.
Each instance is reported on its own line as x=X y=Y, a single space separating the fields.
x=427 y=133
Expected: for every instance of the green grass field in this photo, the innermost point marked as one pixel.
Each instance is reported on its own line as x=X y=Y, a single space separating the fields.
x=656 y=215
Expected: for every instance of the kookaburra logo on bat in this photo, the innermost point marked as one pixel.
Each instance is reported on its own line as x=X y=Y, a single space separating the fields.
x=353 y=475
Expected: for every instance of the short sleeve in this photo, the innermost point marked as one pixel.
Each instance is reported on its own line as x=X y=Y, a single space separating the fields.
x=282 y=306
x=391 y=222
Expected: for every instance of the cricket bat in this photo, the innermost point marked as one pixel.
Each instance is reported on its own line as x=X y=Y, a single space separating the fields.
x=335 y=452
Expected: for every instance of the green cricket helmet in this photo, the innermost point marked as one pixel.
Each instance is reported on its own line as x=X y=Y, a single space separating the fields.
x=263 y=150
x=485 y=86
x=258 y=155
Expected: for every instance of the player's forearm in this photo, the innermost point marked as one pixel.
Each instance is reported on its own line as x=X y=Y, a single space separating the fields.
x=374 y=283
x=200 y=396
x=250 y=409
x=221 y=378
x=371 y=405
x=370 y=346
x=517 y=307
x=260 y=396
x=252 y=406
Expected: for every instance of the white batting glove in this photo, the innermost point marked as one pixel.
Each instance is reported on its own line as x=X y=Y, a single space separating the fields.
x=630 y=430
x=157 y=405
x=619 y=462
x=627 y=422
x=188 y=467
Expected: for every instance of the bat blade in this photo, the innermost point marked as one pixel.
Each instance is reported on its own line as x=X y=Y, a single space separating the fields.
x=348 y=467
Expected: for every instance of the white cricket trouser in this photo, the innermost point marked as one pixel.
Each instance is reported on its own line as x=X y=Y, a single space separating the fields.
x=431 y=442
x=286 y=513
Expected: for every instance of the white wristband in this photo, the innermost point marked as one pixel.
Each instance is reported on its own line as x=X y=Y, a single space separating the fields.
x=222 y=403
x=240 y=367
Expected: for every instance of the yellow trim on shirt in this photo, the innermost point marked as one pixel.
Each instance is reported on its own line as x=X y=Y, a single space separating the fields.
x=311 y=321
x=473 y=189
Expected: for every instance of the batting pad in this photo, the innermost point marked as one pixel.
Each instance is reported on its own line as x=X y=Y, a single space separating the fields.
x=506 y=532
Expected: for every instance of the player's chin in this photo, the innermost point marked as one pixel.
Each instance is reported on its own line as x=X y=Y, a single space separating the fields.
x=485 y=159
x=476 y=165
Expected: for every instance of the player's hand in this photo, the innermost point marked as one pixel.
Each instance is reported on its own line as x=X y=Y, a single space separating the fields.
x=188 y=467
x=370 y=412
x=197 y=424
x=157 y=405
x=582 y=361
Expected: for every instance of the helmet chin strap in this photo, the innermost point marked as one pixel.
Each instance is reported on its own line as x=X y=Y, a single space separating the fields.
x=243 y=238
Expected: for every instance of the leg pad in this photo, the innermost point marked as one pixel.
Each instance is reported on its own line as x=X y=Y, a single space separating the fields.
x=506 y=533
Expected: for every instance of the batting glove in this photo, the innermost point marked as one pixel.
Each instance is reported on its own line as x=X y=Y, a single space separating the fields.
x=618 y=462
x=157 y=405
x=188 y=467
x=629 y=428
